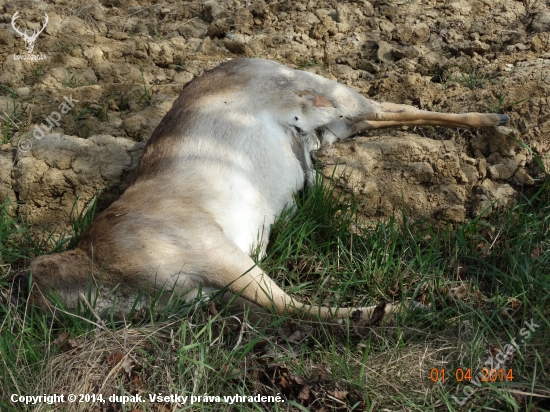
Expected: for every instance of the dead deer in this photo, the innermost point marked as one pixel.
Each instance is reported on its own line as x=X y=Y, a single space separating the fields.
x=218 y=170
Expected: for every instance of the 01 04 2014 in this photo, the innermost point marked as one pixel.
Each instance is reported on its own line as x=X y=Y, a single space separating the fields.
x=461 y=374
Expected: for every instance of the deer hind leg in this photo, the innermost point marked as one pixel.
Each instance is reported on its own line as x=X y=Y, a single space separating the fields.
x=70 y=277
x=236 y=271
x=391 y=115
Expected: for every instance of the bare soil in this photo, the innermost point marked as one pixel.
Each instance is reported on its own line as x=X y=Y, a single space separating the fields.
x=125 y=62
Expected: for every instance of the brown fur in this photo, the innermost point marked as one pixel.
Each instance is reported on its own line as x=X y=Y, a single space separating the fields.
x=219 y=168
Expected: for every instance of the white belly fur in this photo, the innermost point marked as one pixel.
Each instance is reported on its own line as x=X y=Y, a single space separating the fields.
x=258 y=183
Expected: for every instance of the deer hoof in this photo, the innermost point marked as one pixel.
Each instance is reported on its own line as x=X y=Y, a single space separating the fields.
x=503 y=120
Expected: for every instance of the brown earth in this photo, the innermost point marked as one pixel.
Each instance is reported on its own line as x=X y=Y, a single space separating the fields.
x=124 y=62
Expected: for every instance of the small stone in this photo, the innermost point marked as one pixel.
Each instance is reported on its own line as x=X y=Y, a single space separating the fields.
x=384 y=53
x=505 y=195
x=346 y=72
x=214 y=11
x=22 y=91
x=419 y=33
x=470 y=47
x=453 y=213
x=471 y=173
x=342 y=13
x=407 y=65
x=501 y=140
x=482 y=167
x=387 y=27
x=368 y=9
x=433 y=59
x=488 y=193
x=480 y=204
x=541 y=22
x=520 y=159
x=480 y=144
x=368 y=66
x=494 y=171
x=501 y=167
x=218 y=28
x=207 y=47
x=182 y=77
x=521 y=46
x=423 y=172
x=235 y=45
x=523 y=178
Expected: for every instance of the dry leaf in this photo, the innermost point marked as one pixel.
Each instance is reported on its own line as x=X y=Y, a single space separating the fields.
x=461 y=271
x=299 y=380
x=516 y=303
x=137 y=385
x=128 y=364
x=378 y=314
x=114 y=358
x=321 y=373
x=459 y=292
x=304 y=393
x=212 y=309
x=284 y=383
x=61 y=339
x=340 y=394
x=297 y=337
x=64 y=343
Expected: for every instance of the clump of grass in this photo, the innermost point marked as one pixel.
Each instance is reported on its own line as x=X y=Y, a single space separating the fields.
x=482 y=280
x=38 y=73
x=80 y=220
x=18 y=243
x=146 y=90
x=467 y=77
x=303 y=63
x=73 y=82
x=13 y=118
x=12 y=93
x=64 y=48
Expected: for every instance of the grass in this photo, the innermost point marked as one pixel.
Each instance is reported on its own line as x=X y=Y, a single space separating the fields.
x=482 y=281
x=9 y=91
x=303 y=63
x=64 y=48
x=146 y=90
x=73 y=82
x=467 y=77
x=13 y=117
x=38 y=73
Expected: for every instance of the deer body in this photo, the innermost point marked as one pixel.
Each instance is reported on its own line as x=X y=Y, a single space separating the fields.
x=218 y=170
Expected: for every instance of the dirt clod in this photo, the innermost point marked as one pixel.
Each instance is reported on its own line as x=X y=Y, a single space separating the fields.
x=126 y=62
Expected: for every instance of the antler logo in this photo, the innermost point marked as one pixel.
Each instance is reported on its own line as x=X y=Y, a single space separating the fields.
x=29 y=40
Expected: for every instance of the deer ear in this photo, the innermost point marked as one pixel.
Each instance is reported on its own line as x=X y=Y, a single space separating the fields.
x=317 y=99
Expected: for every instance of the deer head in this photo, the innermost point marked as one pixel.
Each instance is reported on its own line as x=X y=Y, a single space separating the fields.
x=29 y=40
